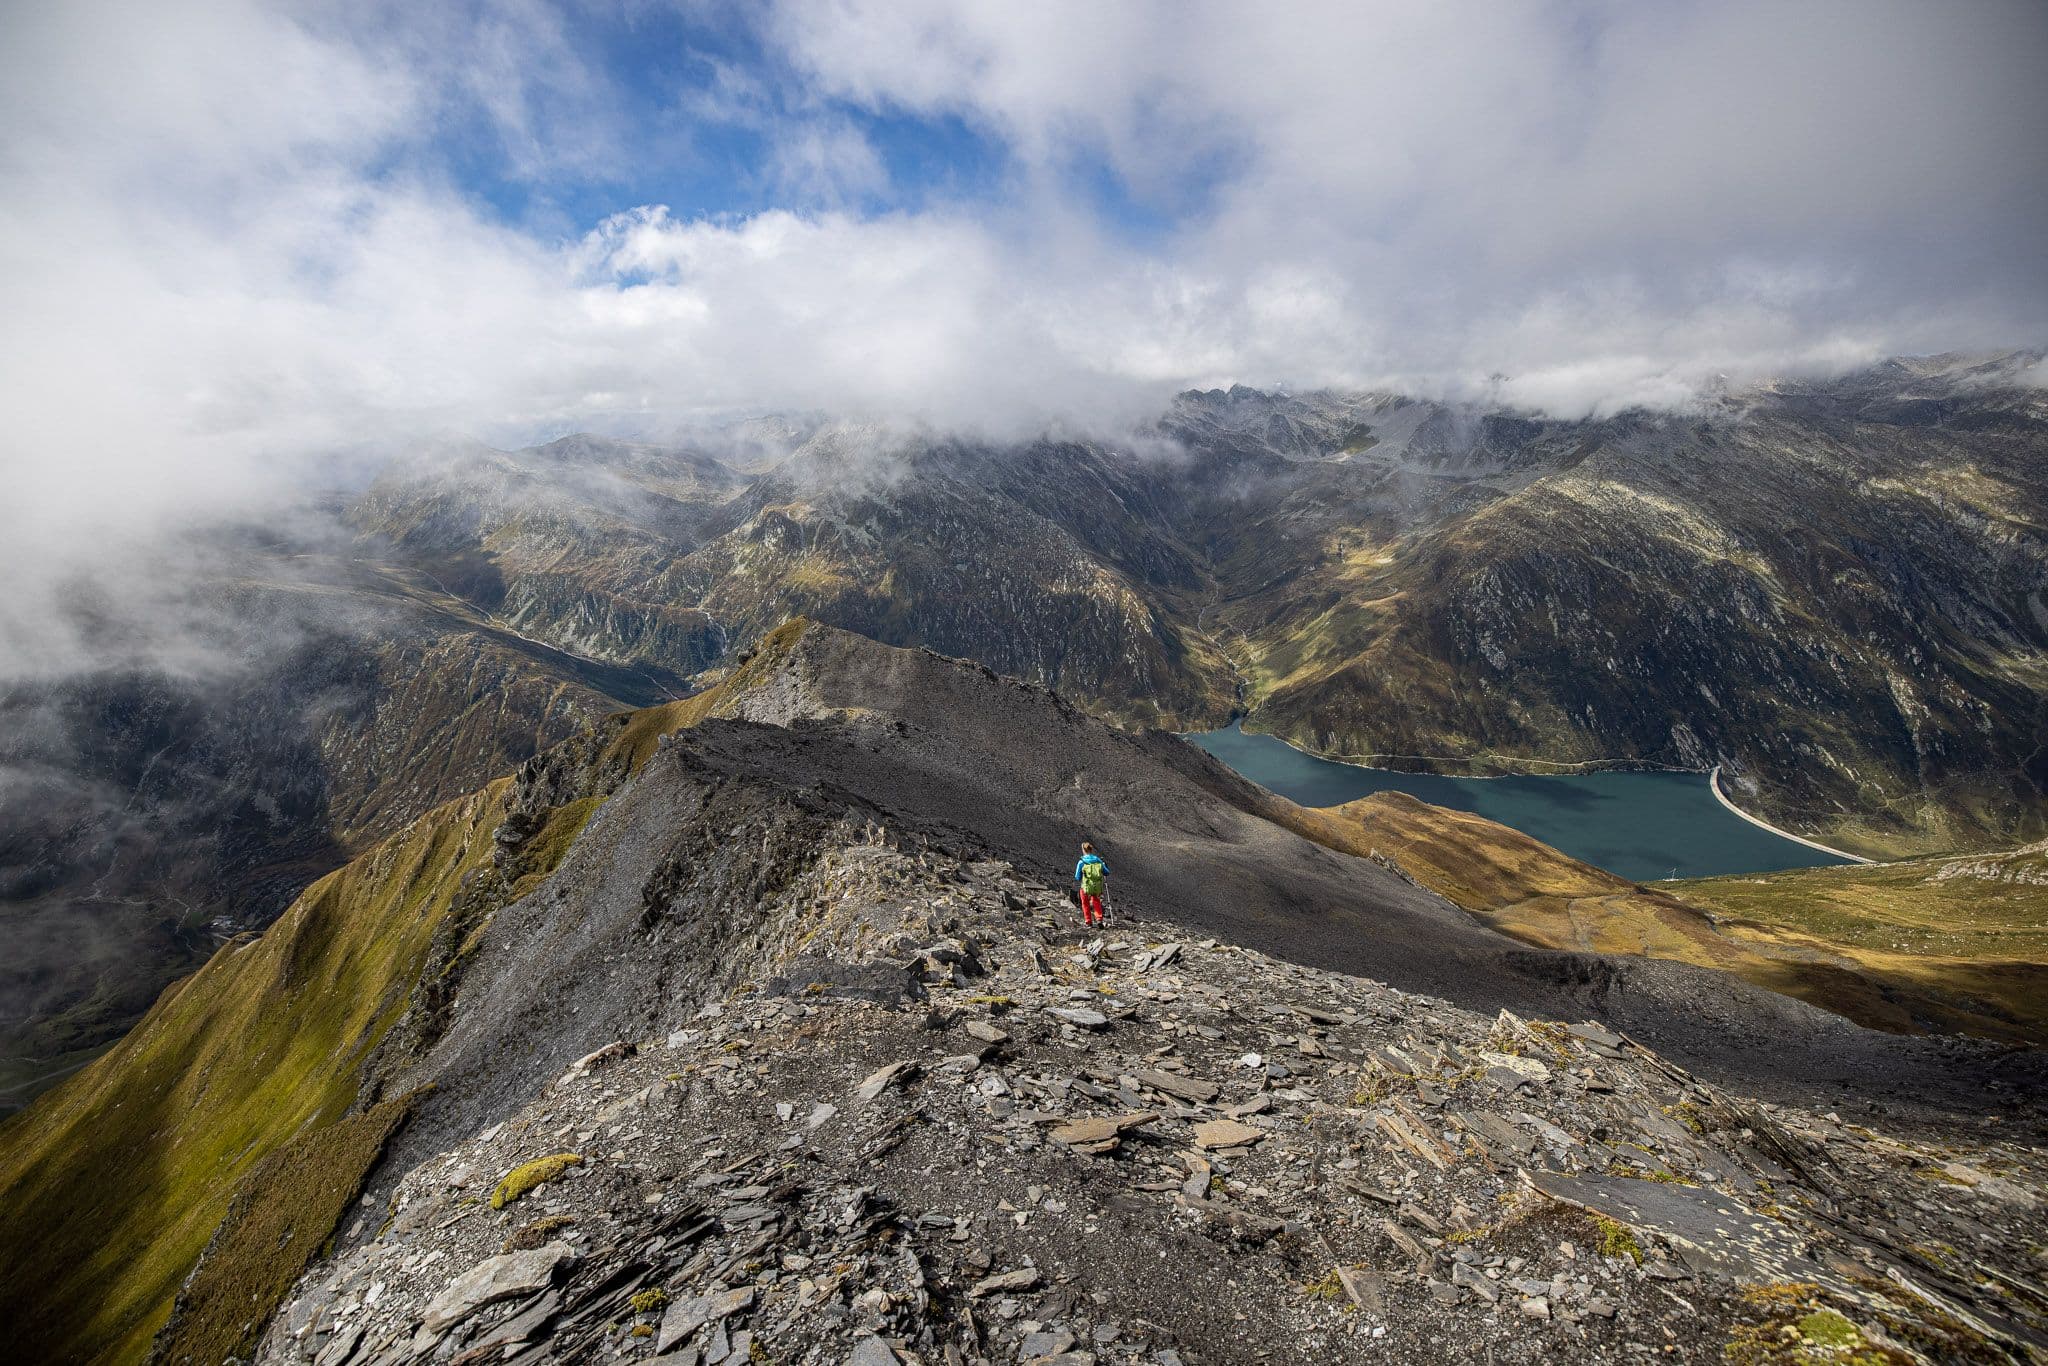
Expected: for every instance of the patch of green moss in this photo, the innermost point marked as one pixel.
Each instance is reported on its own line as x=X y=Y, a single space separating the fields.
x=1941 y=1174
x=1799 y=1329
x=527 y=1176
x=1688 y=1114
x=1657 y=1174
x=1780 y=1294
x=1618 y=1239
x=1328 y=1287
x=1826 y=1328
x=1915 y=1324
x=543 y=850
x=1373 y=1087
x=647 y=1301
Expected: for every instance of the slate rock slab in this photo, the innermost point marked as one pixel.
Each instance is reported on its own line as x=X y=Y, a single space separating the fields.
x=1226 y=1133
x=686 y=1316
x=1006 y=1282
x=510 y=1276
x=886 y=1077
x=885 y=984
x=1101 y=1129
x=1713 y=1233
x=1184 y=1088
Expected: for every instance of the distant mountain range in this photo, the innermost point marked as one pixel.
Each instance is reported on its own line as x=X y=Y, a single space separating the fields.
x=1837 y=591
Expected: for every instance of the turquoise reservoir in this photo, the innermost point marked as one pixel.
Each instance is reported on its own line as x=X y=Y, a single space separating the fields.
x=1641 y=826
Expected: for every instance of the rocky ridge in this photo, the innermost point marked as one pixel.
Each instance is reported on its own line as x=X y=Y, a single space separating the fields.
x=927 y=1120
x=430 y=993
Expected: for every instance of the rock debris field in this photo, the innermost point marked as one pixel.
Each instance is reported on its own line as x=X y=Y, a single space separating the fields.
x=940 y=1125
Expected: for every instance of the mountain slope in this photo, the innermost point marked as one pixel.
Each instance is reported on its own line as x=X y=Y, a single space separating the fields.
x=919 y=1118
x=1829 y=589
x=1821 y=935
x=627 y=877
x=112 y=1183
x=1823 y=588
x=146 y=814
x=1046 y=561
x=1971 y=930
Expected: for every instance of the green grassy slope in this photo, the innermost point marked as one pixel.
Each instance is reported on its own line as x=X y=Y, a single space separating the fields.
x=1935 y=944
x=1972 y=930
x=112 y=1184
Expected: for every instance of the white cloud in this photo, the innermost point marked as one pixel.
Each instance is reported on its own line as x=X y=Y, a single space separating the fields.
x=229 y=239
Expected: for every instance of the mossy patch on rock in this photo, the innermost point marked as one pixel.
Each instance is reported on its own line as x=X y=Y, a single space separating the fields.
x=537 y=1233
x=528 y=1175
x=1618 y=1239
x=1799 y=1328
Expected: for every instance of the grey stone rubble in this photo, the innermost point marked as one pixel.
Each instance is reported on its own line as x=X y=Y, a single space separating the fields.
x=1133 y=1149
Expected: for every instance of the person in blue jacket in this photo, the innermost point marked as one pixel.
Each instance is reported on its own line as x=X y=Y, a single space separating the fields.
x=1091 y=875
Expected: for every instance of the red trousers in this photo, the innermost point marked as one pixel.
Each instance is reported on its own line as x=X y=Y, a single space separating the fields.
x=1091 y=909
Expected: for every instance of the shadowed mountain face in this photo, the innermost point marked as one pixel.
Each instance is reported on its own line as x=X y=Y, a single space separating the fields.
x=1831 y=590
x=146 y=816
x=680 y=855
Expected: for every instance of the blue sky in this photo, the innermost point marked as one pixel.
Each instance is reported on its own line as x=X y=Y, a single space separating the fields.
x=701 y=104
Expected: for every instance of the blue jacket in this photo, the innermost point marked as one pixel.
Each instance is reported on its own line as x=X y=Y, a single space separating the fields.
x=1087 y=859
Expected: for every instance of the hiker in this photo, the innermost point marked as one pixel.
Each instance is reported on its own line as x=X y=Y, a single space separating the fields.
x=1091 y=874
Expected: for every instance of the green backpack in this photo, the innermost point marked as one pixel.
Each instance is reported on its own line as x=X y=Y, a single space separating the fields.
x=1092 y=874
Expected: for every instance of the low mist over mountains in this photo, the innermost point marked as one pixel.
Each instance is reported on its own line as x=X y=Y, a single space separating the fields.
x=1383 y=578
x=1832 y=590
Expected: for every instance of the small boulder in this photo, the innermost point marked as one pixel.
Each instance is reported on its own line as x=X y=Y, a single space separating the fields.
x=871 y=1351
x=686 y=1316
x=1004 y=1282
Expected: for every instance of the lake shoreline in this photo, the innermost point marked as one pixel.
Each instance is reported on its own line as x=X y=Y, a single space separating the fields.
x=1643 y=822
x=1714 y=786
x=1568 y=768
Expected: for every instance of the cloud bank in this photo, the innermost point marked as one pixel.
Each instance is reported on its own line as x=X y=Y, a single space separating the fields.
x=237 y=236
